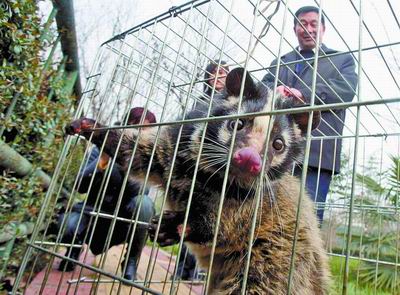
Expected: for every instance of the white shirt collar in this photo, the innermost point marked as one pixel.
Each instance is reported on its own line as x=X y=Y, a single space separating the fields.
x=299 y=49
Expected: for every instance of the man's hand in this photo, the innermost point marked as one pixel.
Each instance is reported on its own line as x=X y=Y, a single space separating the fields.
x=287 y=92
x=283 y=90
x=103 y=162
x=170 y=228
x=81 y=126
x=296 y=94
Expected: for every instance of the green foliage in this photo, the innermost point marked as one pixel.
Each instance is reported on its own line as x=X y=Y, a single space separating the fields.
x=380 y=276
x=20 y=29
x=384 y=184
x=34 y=127
x=356 y=283
x=374 y=229
x=337 y=270
x=23 y=206
x=394 y=181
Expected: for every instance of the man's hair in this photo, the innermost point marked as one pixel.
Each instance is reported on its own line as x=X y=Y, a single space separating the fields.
x=306 y=9
x=135 y=115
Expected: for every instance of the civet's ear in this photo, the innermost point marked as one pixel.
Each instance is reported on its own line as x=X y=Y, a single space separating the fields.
x=302 y=120
x=234 y=82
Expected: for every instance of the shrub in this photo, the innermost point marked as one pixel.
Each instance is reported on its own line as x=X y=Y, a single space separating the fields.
x=33 y=90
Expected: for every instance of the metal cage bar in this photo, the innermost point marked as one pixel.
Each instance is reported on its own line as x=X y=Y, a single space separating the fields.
x=159 y=65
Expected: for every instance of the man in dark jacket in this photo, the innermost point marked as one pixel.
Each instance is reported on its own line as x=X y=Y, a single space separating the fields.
x=81 y=227
x=336 y=82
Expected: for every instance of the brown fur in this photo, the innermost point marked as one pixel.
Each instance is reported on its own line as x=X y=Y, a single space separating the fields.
x=270 y=264
x=272 y=246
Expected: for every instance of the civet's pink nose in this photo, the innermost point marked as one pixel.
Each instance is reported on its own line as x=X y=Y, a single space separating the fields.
x=248 y=160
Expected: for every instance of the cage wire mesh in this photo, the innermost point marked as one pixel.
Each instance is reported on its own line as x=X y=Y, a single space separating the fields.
x=160 y=64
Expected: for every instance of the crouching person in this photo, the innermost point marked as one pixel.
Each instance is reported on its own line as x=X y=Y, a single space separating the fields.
x=81 y=226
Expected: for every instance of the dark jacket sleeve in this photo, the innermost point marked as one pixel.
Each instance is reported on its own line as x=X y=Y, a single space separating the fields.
x=87 y=172
x=269 y=78
x=343 y=84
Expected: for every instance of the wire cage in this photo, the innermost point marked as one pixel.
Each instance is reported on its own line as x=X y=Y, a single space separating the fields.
x=160 y=65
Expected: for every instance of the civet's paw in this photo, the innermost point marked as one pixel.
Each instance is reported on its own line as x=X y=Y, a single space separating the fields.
x=170 y=228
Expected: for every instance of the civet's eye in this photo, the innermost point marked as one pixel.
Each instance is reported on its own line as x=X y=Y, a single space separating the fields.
x=240 y=124
x=278 y=144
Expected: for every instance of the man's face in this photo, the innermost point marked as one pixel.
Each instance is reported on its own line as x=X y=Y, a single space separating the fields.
x=308 y=36
x=221 y=78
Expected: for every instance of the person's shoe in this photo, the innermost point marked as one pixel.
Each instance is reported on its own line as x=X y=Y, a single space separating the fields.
x=181 y=273
x=66 y=265
x=181 y=276
x=130 y=271
x=189 y=275
x=200 y=275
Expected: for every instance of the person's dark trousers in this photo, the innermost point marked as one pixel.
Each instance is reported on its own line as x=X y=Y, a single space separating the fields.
x=317 y=180
x=186 y=265
x=140 y=236
x=72 y=227
x=100 y=232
